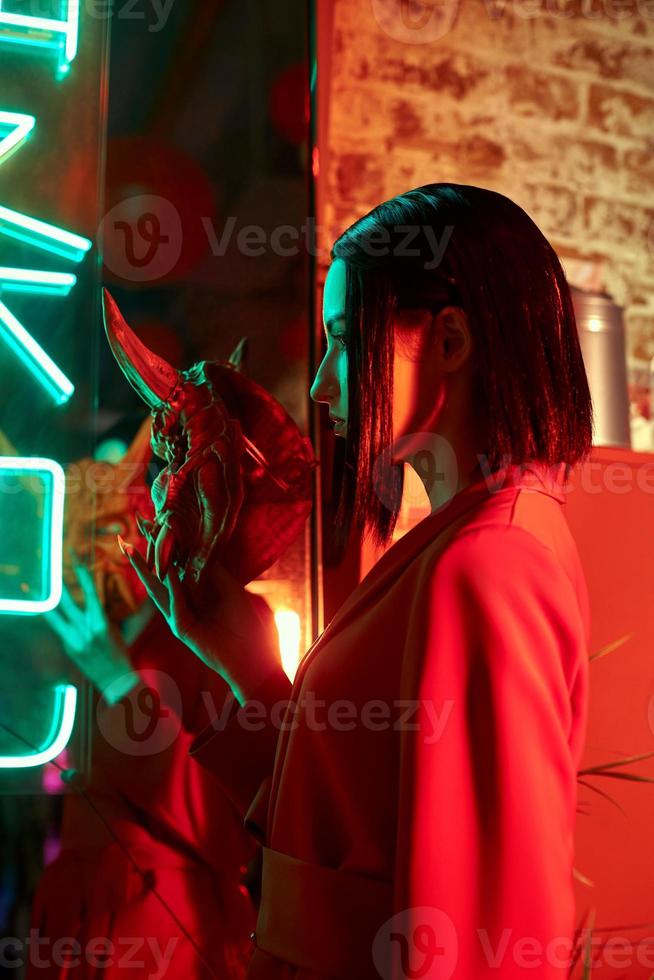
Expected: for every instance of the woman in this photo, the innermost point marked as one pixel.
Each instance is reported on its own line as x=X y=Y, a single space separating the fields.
x=416 y=800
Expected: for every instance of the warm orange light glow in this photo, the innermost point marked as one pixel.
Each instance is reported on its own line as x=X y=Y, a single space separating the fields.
x=288 y=629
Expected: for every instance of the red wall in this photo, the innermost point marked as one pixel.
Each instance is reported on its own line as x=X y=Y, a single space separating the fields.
x=612 y=520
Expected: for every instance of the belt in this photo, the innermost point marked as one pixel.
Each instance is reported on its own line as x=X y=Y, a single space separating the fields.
x=319 y=918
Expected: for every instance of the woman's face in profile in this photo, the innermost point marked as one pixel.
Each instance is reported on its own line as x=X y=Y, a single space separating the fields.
x=427 y=349
x=330 y=383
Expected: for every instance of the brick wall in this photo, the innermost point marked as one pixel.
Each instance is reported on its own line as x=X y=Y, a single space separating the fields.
x=548 y=101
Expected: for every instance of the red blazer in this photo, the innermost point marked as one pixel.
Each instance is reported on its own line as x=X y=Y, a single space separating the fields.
x=416 y=802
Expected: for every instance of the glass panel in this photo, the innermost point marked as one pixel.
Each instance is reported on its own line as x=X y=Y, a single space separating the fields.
x=52 y=123
x=206 y=227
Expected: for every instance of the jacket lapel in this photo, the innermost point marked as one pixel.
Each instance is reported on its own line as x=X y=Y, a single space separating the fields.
x=402 y=552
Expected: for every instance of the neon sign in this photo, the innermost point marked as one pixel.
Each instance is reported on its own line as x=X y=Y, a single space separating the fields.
x=15 y=127
x=35 y=281
x=59 y=36
x=35 y=359
x=40 y=234
x=61 y=728
x=31 y=553
x=38 y=588
x=45 y=236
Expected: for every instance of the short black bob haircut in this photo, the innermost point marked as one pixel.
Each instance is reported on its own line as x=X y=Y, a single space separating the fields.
x=496 y=265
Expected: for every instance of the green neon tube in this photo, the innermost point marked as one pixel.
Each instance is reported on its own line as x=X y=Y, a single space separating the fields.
x=32 y=355
x=20 y=126
x=46 y=33
x=32 y=231
x=54 y=480
x=58 y=738
x=36 y=281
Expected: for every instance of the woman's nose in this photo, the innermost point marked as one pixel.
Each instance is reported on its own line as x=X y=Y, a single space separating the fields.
x=322 y=390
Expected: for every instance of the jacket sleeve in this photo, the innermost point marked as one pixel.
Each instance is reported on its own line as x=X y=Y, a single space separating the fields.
x=174 y=694
x=488 y=788
x=234 y=747
x=239 y=750
x=174 y=689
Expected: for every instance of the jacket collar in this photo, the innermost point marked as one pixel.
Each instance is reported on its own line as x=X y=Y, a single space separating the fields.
x=534 y=476
x=531 y=476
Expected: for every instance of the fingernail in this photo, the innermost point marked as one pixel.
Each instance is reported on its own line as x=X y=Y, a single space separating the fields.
x=126 y=548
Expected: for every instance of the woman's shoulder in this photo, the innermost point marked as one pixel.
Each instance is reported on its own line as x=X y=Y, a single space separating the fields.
x=491 y=547
x=514 y=523
x=499 y=560
x=497 y=583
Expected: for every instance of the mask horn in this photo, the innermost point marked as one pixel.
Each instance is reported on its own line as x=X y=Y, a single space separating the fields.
x=239 y=356
x=150 y=375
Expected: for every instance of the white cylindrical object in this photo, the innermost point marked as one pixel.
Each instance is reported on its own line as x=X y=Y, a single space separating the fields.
x=602 y=339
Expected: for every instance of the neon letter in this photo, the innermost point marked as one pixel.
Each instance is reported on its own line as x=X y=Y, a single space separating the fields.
x=45 y=33
x=60 y=731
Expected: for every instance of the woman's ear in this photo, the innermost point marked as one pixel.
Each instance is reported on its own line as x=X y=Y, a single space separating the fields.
x=452 y=338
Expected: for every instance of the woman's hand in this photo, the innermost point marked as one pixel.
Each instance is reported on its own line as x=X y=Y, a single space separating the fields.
x=217 y=619
x=93 y=644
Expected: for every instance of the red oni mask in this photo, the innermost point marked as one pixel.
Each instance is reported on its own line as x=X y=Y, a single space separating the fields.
x=238 y=478
x=101 y=502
